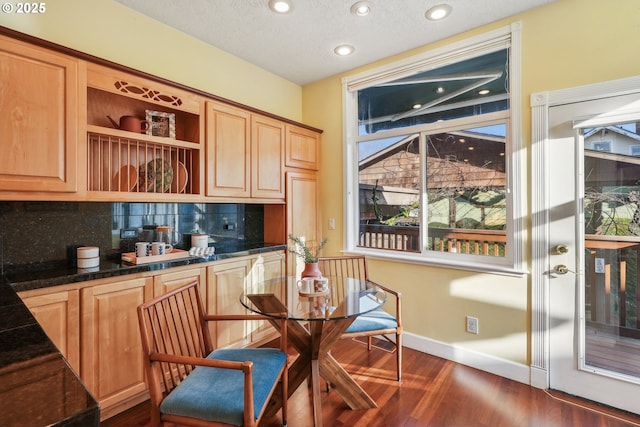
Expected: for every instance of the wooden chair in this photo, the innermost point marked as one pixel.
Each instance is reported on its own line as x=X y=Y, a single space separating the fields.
x=192 y=384
x=375 y=323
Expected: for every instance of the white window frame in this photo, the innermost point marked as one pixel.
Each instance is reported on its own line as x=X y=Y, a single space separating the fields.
x=506 y=37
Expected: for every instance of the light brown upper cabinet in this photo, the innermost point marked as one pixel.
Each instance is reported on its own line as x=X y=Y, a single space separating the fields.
x=245 y=154
x=267 y=157
x=228 y=147
x=302 y=148
x=39 y=120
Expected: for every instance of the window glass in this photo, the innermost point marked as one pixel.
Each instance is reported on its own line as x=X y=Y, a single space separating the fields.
x=466 y=191
x=467 y=88
x=389 y=193
x=612 y=177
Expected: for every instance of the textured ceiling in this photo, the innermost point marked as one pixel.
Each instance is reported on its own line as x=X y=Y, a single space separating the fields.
x=298 y=46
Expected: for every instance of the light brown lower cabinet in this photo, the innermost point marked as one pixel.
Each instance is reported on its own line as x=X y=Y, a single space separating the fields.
x=111 y=351
x=226 y=281
x=95 y=326
x=58 y=313
x=165 y=282
x=303 y=217
x=267 y=266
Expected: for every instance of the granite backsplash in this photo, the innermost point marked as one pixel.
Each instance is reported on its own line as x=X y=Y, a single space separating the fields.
x=46 y=232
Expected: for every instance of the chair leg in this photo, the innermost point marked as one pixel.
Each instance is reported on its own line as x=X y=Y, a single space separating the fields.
x=399 y=355
x=369 y=342
x=285 y=394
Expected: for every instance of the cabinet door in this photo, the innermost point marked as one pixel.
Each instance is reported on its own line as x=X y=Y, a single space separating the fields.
x=226 y=281
x=302 y=148
x=58 y=314
x=267 y=266
x=302 y=212
x=112 y=360
x=39 y=120
x=166 y=282
x=228 y=168
x=267 y=158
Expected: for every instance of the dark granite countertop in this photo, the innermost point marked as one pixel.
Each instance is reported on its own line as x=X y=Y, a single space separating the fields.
x=34 y=277
x=37 y=385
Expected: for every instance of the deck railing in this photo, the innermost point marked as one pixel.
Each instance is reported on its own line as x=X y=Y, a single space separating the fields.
x=612 y=264
x=407 y=238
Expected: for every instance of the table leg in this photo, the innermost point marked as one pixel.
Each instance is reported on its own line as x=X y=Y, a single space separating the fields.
x=315 y=361
x=332 y=371
x=315 y=329
x=315 y=393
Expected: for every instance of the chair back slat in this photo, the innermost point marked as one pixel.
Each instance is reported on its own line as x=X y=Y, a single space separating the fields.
x=345 y=266
x=174 y=324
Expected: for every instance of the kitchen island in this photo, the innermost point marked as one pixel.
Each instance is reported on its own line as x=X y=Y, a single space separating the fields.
x=38 y=386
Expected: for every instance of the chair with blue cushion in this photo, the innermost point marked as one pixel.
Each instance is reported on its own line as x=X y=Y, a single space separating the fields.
x=377 y=322
x=190 y=383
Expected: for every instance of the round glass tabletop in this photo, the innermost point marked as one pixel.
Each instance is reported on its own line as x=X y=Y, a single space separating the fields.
x=288 y=298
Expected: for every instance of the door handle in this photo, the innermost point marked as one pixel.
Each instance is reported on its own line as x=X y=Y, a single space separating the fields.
x=562 y=269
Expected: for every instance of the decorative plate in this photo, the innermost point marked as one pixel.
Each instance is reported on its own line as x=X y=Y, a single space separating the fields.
x=156 y=176
x=180 y=177
x=125 y=179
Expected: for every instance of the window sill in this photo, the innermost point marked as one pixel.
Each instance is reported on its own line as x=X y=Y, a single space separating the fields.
x=455 y=264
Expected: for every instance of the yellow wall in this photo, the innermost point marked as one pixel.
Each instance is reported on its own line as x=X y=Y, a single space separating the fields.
x=109 y=30
x=564 y=44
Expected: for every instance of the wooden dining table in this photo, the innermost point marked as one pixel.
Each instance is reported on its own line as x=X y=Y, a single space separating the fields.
x=316 y=322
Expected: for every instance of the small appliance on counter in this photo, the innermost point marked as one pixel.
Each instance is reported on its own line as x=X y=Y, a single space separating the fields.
x=88 y=257
x=199 y=240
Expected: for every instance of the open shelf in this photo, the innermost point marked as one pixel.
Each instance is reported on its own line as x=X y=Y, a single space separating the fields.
x=102 y=105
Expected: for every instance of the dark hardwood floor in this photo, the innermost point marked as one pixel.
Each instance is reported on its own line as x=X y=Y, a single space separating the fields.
x=434 y=392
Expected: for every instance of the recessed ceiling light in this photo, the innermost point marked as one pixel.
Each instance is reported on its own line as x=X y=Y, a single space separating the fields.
x=438 y=12
x=361 y=8
x=440 y=89
x=416 y=106
x=484 y=92
x=280 y=6
x=344 y=50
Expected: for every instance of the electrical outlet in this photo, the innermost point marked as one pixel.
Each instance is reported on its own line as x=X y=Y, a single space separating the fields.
x=472 y=325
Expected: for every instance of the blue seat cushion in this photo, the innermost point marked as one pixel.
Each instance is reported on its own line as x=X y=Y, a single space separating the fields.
x=216 y=394
x=373 y=320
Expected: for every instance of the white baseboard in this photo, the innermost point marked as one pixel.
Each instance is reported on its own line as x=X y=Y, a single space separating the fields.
x=494 y=365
